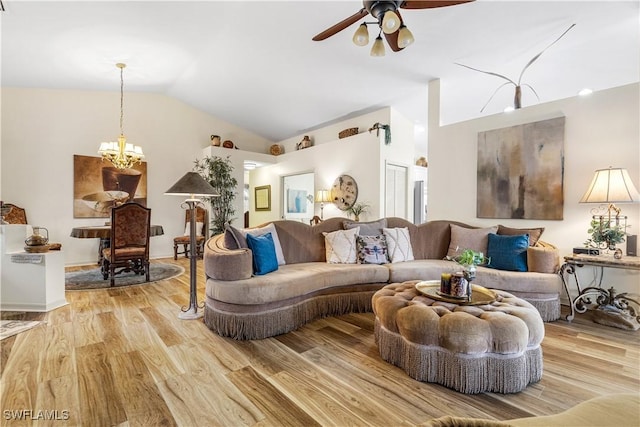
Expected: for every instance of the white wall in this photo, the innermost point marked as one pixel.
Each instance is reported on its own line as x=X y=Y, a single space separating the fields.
x=43 y=129
x=355 y=156
x=601 y=130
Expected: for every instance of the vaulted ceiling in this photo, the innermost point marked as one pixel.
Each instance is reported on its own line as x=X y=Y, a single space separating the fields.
x=254 y=64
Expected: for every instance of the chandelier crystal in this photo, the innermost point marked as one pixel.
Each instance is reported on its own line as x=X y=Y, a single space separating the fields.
x=123 y=155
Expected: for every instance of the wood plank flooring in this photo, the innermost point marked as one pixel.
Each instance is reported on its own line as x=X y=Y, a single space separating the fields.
x=122 y=357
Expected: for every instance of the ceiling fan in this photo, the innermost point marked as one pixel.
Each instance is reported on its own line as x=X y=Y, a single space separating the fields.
x=388 y=19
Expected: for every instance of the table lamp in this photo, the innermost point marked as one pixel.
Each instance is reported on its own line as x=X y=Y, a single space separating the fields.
x=322 y=197
x=610 y=186
x=192 y=185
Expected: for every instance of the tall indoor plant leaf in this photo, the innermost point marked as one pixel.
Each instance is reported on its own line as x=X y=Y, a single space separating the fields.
x=218 y=173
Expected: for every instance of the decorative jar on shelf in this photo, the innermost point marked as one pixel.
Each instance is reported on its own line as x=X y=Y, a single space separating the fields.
x=215 y=140
x=305 y=143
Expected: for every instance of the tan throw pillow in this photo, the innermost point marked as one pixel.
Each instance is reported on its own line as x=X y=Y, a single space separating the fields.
x=187 y=229
x=534 y=233
x=398 y=244
x=543 y=259
x=340 y=246
x=469 y=238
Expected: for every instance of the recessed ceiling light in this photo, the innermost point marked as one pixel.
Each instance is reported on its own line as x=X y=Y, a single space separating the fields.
x=586 y=91
x=249 y=165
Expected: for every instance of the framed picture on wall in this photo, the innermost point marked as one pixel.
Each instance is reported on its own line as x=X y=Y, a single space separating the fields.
x=98 y=186
x=263 y=198
x=298 y=196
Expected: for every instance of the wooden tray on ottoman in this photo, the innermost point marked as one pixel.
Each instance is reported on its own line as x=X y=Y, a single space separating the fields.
x=479 y=294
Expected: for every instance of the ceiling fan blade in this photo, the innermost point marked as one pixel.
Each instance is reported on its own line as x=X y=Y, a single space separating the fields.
x=427 y=4
x=341 y=25
x=392 y=39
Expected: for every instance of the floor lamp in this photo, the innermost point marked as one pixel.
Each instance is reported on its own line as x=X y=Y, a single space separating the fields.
x=192 y=185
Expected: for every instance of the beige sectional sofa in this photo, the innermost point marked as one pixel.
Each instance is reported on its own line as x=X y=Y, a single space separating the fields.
x=244 y=306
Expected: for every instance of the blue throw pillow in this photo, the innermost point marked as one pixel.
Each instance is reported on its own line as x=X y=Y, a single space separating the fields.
x=264 y=253
x=508 y=252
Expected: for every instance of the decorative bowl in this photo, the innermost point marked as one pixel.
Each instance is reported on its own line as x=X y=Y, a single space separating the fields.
x=347 y=132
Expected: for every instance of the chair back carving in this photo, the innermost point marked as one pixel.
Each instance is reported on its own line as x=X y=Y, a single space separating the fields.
x=130 y=226
x=16 y=215
x=202 y=216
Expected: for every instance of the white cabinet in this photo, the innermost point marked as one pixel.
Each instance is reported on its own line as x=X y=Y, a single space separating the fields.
x=30 y=282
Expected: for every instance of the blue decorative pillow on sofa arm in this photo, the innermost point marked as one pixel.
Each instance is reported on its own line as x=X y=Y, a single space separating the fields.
x=508 y=252
x=264 y=253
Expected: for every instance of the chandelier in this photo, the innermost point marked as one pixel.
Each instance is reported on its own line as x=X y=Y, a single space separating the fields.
x=122 y=154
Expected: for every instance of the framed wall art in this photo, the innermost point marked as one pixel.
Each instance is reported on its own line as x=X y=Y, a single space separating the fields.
x=298 y=196
x=98 y=186
x=263 y=198
x=521 y=171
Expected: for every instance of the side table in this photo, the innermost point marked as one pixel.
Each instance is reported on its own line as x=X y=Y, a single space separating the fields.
x=625 y=303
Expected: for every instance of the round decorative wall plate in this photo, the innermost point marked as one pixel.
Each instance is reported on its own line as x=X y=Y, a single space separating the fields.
x=344 y=191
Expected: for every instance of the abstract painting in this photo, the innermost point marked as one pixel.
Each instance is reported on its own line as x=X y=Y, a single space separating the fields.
x=521 y=171
x=98 y=186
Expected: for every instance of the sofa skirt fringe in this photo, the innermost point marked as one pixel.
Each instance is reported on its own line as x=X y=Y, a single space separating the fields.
x=461 y=372
x=251 y=326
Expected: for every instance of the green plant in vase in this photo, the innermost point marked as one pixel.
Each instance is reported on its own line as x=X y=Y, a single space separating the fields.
x=605 y=235
x=470 y=260
x=358 y=209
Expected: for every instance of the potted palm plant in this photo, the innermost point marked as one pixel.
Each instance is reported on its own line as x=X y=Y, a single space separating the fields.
x=217 y=171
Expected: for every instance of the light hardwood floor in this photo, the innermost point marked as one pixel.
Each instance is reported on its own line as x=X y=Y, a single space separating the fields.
x=122 y=357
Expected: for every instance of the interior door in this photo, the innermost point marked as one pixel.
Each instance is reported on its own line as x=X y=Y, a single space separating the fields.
x=396 y=190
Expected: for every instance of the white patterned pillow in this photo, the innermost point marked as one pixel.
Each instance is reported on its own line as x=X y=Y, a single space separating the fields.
x=372 y=249
x=398 y=244
x=340 y=246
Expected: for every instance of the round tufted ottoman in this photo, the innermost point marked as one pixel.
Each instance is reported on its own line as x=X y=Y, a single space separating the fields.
x=471 y=349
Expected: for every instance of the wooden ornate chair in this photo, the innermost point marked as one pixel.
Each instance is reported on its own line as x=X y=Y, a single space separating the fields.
x=16 y=214
x=129 y=251
x=202 y=231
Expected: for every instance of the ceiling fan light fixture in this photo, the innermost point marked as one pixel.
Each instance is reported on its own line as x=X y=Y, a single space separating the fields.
x=390 y=22
x=405 y=38
x=378 y=47
x=361 y=36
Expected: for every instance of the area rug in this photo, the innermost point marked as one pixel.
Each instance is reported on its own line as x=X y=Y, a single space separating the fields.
x=92 y=279
x=9 y=328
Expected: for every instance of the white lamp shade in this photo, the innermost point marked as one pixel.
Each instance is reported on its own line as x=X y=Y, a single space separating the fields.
x=361 y=36
x=611 y=185
x=390 y=22
x=323 y=196
x=378 y=47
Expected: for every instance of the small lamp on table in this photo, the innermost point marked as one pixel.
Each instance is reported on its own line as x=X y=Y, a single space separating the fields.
x=192 y=185
x=322 y=197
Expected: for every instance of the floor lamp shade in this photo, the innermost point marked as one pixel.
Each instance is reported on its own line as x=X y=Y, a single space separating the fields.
x=191 y=184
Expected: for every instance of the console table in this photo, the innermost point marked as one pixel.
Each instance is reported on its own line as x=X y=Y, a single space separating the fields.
x=603 y=297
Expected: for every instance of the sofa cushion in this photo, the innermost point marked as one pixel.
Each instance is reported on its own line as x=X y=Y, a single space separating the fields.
x=233 y=238
x=398 y=244
x=341 y=246
x=372 y=249
x=371 y=228
x=294 y=280
x=264 y=253
x=534 y=233
x=508 y=252
x=269 y=228
x=469 y=238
